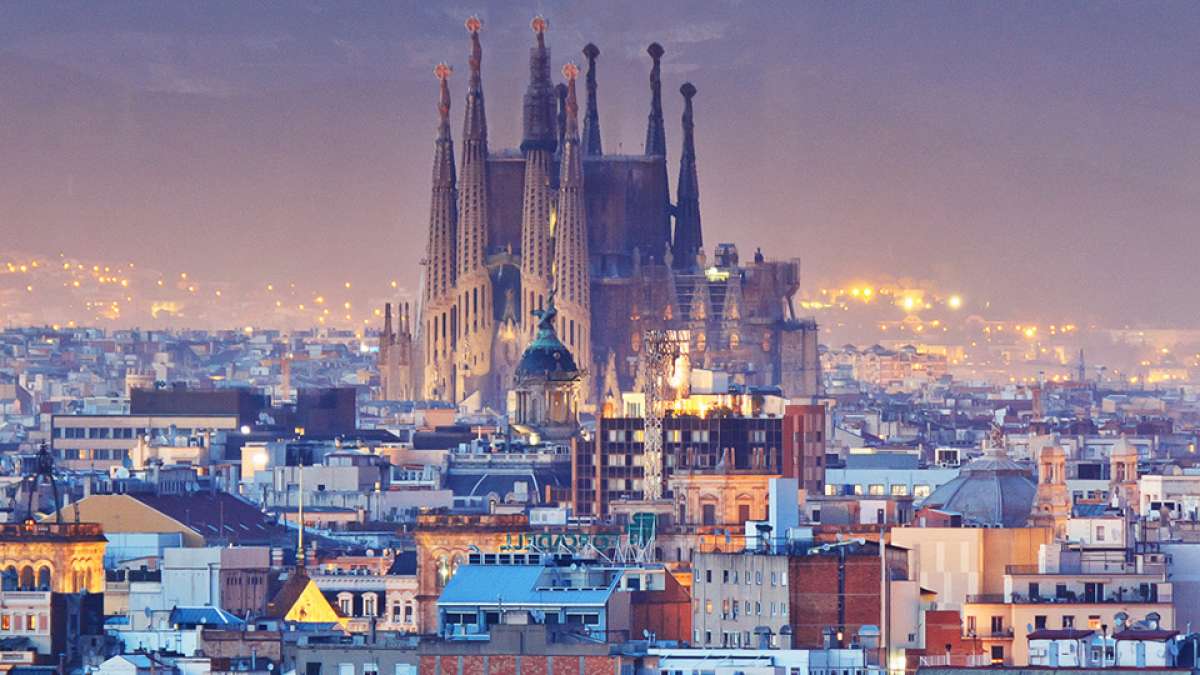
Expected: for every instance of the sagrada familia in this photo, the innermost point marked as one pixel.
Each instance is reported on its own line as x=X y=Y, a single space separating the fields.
x=600 y=231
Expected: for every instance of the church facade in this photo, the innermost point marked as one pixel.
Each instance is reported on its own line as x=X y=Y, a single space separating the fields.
x=600 y=230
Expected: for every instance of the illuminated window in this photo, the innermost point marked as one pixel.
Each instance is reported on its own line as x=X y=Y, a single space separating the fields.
x=920 y=490
x=899 y=490
x=875 y=489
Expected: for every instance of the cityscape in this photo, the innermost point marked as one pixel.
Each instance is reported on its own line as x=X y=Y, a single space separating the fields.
x=758 y=339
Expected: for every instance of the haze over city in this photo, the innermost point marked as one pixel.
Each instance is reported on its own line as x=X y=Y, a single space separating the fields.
x=1039 y=162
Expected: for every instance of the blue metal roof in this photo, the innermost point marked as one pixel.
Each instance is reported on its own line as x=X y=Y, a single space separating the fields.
x=204 y=616
x=513 y=585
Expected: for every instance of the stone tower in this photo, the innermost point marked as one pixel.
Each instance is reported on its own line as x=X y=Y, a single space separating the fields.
x=396 y=356
x=437 y=301
x=572 y=280
x=1123 y=464
x=537 y=209
x=474 y=287
x=1052 y=501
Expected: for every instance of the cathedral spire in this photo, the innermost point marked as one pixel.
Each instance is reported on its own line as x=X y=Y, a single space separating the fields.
x=473 y=211
x=591 y=120
x=571 y=270
x=656 y=135
x=441 y=257
x=475 y=126
x=443 y=209
x=540 y=101
x=688 y=239
x=537 y=214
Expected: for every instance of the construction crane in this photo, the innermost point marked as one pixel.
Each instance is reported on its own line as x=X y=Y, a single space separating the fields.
x=660 y=349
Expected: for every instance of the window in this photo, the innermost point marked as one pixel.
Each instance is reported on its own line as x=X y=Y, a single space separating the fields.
x=708 y=576
x=757 y=608
x=1099 y=533
x=1034 y=590
x=345 y=669
x=1039 y=622
x=920 y=491
x=1068 y=622
x=858 y=489
x=758 y=577
x=783 y=578
x=1094 y=621
x=345 y=605
x=774 y=578
x=997 y=625
x=875 y=489
x=899 y=490
x=997 y=654
x=708 y=607
x=831 y=490
x=970 y=625
x=724 y=576
x=369 y=601
x=708 y=637
x=370 y=669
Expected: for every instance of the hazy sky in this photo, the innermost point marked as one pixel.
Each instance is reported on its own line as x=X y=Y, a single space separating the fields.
x=1043 y=156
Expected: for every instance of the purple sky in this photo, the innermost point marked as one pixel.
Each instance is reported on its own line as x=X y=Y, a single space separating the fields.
x=1041 y=156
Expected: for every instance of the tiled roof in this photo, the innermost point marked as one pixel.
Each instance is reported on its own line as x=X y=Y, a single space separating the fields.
x=221 y=518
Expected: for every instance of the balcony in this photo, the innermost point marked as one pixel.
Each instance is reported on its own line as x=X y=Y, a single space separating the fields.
x=1096 y=567
x=956 y=660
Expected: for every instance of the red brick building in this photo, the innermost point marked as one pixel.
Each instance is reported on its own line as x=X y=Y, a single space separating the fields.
x=839 y=588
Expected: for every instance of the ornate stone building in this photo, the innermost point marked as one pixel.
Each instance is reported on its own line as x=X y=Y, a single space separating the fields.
x=508 y=226
x=395 y=356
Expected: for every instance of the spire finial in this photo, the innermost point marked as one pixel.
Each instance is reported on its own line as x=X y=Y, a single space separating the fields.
x=540 y=25
x=571 y=71
x=442 y=72
x=474 y=25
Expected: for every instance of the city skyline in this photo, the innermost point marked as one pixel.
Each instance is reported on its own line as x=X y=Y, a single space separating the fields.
x=1002 y=159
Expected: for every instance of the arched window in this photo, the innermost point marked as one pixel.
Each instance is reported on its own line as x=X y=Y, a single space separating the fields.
x=9 y=578
x=43 y=579
x=369 y=600
x=27 y=578
x=346 y=604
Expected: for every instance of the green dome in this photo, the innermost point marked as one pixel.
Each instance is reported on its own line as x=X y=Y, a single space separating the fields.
x=547 y=356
